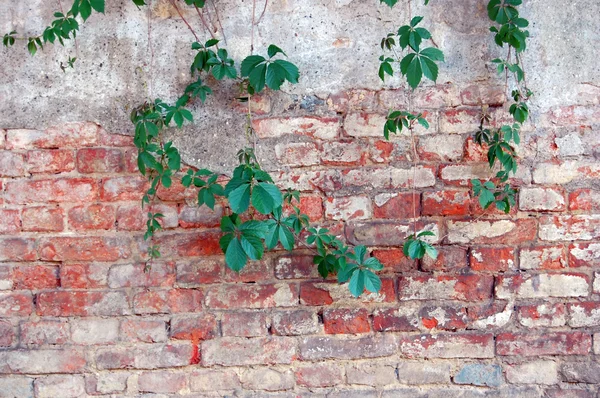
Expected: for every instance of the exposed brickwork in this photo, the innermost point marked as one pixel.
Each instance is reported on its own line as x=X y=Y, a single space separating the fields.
x=510 y=307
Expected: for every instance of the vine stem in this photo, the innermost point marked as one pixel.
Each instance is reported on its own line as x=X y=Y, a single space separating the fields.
x=184 y=20
x=219 y=21
x=205 y=24
x=414 y=181
x=150 y=49
x=506 y=70
x=253 y=23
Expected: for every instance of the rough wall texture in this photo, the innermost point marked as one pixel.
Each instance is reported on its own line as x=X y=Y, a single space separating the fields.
x=510 y=309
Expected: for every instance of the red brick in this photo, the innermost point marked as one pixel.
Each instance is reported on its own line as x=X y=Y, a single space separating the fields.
x=45 y=332
x=394 y=98
x=167 y=301
x=394 y=320
x=446 y=203
x=12 y=164
x=252 y=296
x=195 y=328
x=450 y=258
x=317 y=127
x=144 y=331
x=489 y=315
x=84 y=248
x=495 y=259
x=475 y=152
x=542 y=257
x=15 y=304
x=51 y=161
x=161 y=274
x=445 y=287
x=7 y=334
x=325 y=293
x=399 y=206
x=130 y=156
x=570 y=227
x=297 y=154
x=200 y=217
x=444 y=317
x=461 y=345
x=35 y=277
x=294 y=323
x=113 y=139
x=51 y=191
x=295 y=266
x=204 y=243
x=162 y=382
x=43 y=219
x=10 y=221
x=177 y=192
x=386 y=233
x=84 y=276
x=196 y=272
x=542 y=315
x=123 y=188
x=343 y=153
x=131 y=217
x=478 y=94
x=244 y=324
x=92 y=217
x=394 y=260
x=555 y=343
x=255 y=271
x=348 y=208
x=312 y=206
x=99 y=160
x=542 y=285
x=438 y=96
x=584 y=255
x=97 y=303
x=381 y=151
x=343 y=321
x=584 y=200
x=507 y=232
x=357 y=99
x=67 y=135
x=42 y=361
x=17 y=249
x=319 y=375
x=459 y=121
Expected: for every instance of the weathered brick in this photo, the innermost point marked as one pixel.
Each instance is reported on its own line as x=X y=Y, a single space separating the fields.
x=162 y=382
x=84 y=248
x=82 y=303
x=144 y=330
x=12 y=164
x=84 y=276
x=462 y=174
x=50 y=161
x=459 y=345
x=17 y=249
x=348 y=208
x=371 y=374
x=397 y=206
x=491 y=315
x=325 y=128
x=267 y=379
x=6 y=282
x=43 y=219
x=596 y=286
x=584 y=200
x=386 y=233
x=586 y=314
x=342 y=153
x=147 y=356
x=15 y=304
x=255 y=271
x=584 y=255
x=106 y=383
x=394 y=260
x=480 y=375
x=42 y=361
x=319 y=375
x=541 y=199
x=160 y=274
x=45 y=332
x=537 y=372
x=478 y=94
x=364 y=124
x=542 y=285
x=444 y=317
x=295 y=266
x=196 y=272
x=354 y=99
x=495 y=259
x=51 y=191
x=441 y=148
x=232 y=351
x=99 y=160
x=92 y=217
x=253 y=296
x=67 y=135
x=394 y=320
x=415 y=373
x=298 y=154
x=200 y=217
x=67 y=386
x=438 y=96
x=459 y=121
x=10 y=221
x=555 y=343
x=394 y=98
x=123 y=188
x=294 y=323
x=507 y=232
x=542 y=315
x=461 y=287
x=203 y=243
x=581 y=372
x=194 y=327
x=565 y=172
x=568 y=393
x=95 y=331
x=35 y=277
x=16 y=386
x=450 y=258
x=341 y=321
x=214 y=380
x=167 y=301
x=324 y=293
x=332 y=347
x=7 y=334
x=246 y=324
x=542 y=257
x=446 y=203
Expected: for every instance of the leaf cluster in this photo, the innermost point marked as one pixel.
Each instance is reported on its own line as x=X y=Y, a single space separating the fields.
x=399 y=120
x=262 y=71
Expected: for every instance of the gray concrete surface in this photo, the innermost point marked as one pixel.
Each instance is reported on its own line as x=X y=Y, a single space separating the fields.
x=334 y=43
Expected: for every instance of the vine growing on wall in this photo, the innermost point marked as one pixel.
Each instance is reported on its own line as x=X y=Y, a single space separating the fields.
x=261 y=216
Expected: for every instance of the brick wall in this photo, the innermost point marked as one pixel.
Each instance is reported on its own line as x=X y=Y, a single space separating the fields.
x=510 y=309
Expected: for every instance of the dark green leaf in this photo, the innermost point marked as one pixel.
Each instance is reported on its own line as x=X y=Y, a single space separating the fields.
x=235 y=256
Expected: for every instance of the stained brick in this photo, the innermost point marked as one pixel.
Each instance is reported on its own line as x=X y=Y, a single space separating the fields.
x=326 y=128
x=67 y=386
x=246 y=324
x=584 y=255
x=332 y=347
x=147 y=356
x=50 y=161
x=99 y=160
x=43 y=219
x=232 y=351
x=446 y=203
x=569 y=227
x=51 y=191
x=462 y=287
x=162 y=382
x=15 y=304
x=80 y=303
x=10 y=221
x=397 y=206
x=67 y=135
x=12 y=164
x=448 y=346
x=542 y=315
x=84 y=248
x=318 y=375
x=194 y=327
x=267 y=379
x=34 y=277
x=42 y=361
x=92 y=217
x=394 y=320
x=294 y=323
x=495 y=259
x=214 y=380
x=542 y=285
x=45 y=332
x=144 y=330
x=254 y=296
x=555 y=343
x=542 y=257
x=340 y=321
x=17 y=249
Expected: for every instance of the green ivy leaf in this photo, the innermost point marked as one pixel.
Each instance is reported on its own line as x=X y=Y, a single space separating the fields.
x=390 y=3
x=357 y=283
x=266 y=197
x=235 y=256
x=372 y=281
x=239 y=198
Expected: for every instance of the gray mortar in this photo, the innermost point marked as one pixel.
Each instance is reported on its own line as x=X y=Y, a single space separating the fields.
x=334 y=43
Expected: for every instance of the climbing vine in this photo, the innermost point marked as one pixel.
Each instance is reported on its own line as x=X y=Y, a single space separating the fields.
x=260 y=216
